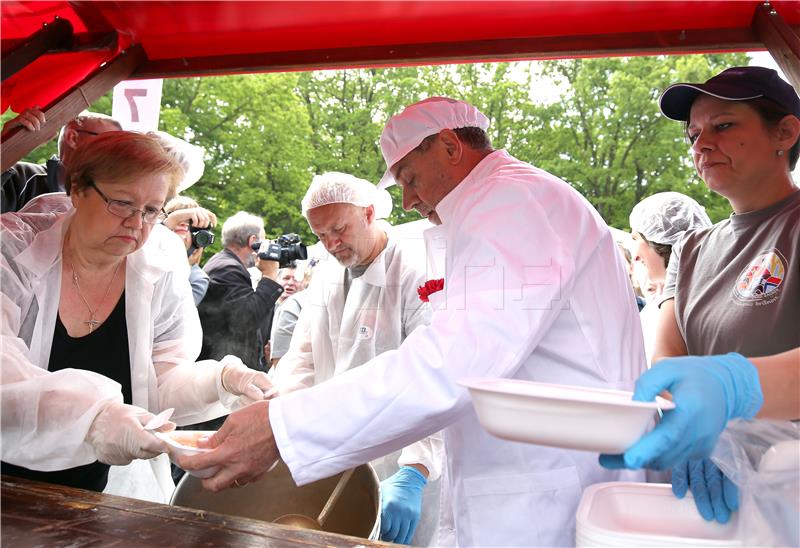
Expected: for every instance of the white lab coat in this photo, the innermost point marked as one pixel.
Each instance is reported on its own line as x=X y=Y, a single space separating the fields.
x=46 y=416
x=336 y=333
x=649 y=318
x=534 y=290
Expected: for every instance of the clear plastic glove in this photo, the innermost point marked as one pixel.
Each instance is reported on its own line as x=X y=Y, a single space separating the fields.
x=240 y=380
x=708 y=391
x=715 y=496
x=401 y=505
x=118 y=435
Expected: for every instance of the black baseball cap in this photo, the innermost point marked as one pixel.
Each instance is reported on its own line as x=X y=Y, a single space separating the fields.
x=733 y=84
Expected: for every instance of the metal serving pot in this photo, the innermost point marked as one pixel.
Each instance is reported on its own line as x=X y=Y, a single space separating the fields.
x=357 y=513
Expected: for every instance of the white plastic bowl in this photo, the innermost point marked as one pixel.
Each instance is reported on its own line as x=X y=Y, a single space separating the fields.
x=572 y=417
x=181 y=442
x=647 y=514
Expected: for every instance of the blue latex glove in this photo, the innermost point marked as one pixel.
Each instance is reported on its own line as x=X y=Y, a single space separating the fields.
x=401 y=505
x=707 y=391
x=715 y=496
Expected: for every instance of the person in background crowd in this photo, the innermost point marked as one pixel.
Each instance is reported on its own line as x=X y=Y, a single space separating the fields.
x=24 y=181
x=287 y=314
x=658 y=223
x=287 y=280
x=99 y=328
x=533 y=290
x=232 y=312
x=730 y=303
x=629 y=265
x=183 y=213
x=360 y=305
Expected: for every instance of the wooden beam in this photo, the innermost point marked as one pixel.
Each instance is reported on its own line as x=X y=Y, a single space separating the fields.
x=17 y=142
x=597 y=45
x=781 y=41
x=57 y=34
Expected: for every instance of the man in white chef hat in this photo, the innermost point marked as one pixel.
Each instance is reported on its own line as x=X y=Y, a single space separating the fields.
x=533 y=290
x=362 y=302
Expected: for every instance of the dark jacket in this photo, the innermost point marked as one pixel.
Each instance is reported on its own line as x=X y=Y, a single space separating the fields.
x=23 y=181
x=232 y=313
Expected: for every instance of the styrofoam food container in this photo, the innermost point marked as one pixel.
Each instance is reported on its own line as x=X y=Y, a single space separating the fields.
x=572 y=417
x=784 y=456
x=183 y=442
x=647 y=514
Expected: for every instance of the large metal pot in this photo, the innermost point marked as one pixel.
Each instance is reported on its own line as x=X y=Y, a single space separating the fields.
x=357 y=513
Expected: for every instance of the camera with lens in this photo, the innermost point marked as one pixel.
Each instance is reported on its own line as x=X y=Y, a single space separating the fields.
x=201 y=237
x=286 y=249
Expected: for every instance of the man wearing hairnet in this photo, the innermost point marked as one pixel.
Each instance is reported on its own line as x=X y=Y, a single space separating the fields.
x=658 y=223
x=360 y=305
x=534 y=290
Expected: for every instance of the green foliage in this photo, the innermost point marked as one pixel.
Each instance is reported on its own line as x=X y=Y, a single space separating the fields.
x=256 y=134
x=267 y=135
x=607 y=137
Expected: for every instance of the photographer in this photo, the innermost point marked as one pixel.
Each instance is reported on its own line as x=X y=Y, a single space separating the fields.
x=193 y=224
x=232 y=312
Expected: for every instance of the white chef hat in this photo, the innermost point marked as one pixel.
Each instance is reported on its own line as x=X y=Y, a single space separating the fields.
x=664 y=217
x=405 y=131
x=189 y=156
x=342 y=188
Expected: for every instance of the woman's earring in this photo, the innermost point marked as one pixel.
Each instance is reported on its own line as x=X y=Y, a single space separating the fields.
x=779 y=152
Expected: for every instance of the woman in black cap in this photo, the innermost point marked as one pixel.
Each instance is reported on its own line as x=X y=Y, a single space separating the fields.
x=734 y=287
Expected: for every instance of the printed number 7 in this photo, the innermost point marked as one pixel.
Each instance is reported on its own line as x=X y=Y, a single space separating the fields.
x=131 y=94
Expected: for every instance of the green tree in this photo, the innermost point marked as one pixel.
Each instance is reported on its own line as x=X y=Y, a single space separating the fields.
x=348 y=109
x=255 y=132
x=266 y=135
x=606 y=136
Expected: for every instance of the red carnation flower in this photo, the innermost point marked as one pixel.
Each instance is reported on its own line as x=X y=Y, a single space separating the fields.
x=431 y=286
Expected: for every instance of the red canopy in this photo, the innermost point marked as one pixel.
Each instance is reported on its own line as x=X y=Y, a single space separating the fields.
x=199 y=37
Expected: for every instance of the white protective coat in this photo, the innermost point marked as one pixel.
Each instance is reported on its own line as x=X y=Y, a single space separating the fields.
x=534 y=290
x=46 y=416
x=334 y=334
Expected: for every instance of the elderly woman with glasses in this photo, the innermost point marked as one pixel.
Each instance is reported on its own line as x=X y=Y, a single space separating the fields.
x=99 y=327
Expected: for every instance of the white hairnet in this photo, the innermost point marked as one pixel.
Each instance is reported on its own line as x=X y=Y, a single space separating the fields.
x=341 y=188
x=663 y=218
x=188 y=155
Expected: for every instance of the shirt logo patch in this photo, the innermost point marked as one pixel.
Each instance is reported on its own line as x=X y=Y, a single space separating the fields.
x=364 y=332
x=762 y=277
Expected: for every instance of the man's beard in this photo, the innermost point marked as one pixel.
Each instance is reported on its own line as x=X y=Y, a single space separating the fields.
x=251 y=260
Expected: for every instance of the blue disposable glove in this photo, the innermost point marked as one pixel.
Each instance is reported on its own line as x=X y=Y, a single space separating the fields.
x=401 y=505
x=715 y=496
x=707 y=391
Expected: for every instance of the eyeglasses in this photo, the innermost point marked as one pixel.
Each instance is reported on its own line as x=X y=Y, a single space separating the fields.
x=125 y=210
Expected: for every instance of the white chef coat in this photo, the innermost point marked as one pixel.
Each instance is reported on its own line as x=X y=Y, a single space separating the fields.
x=46 y=416
x=338 y=332
x=534 y=290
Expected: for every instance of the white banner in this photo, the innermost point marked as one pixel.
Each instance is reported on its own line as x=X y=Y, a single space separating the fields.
x=137 y=104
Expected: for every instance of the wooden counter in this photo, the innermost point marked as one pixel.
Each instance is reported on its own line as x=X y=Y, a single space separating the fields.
x=40 y=514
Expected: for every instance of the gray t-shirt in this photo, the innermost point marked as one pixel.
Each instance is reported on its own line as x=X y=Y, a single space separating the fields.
x=737 y=284
x=283 y=324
